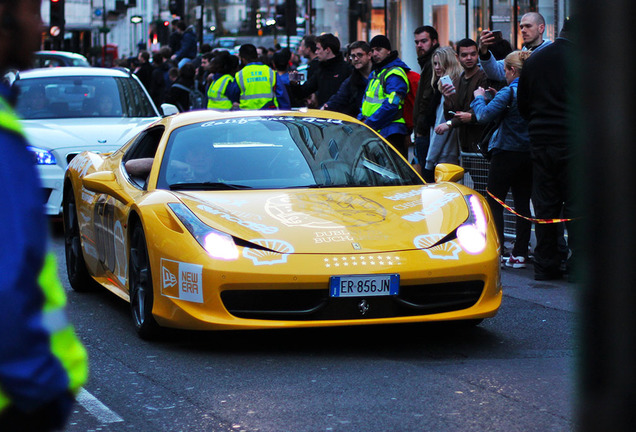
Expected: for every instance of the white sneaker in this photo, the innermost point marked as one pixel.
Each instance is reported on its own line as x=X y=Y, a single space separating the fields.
x=516 y=262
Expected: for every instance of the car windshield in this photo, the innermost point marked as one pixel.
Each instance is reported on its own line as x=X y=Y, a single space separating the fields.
x=82 y=96
x=279 y=152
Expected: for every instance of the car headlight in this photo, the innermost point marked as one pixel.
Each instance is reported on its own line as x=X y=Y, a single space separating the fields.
x=42 y=156
x=472 y=234
x=217 y=244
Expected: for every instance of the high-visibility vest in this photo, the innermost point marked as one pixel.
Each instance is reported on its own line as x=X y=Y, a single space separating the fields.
x=217 y=99
x=256 y=83
x=64 y=344
x=375 y=95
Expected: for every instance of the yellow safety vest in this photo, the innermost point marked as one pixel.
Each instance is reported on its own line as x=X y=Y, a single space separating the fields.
x=63 y=342
x=256 y=83
x=217 y=99
x=375 y=95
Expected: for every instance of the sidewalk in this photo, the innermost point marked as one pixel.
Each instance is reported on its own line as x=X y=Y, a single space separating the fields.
x=557 y=294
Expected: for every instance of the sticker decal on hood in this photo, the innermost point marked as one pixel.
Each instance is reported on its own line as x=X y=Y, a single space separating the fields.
x=263 y=257
x=447 y=251
x=325 y=210
x=261 y=228
x=431 y=208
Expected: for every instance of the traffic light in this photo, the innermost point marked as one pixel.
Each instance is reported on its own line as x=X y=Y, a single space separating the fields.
x=280 y=15
x=286 y=15
x=57 y=20
x=176 y=7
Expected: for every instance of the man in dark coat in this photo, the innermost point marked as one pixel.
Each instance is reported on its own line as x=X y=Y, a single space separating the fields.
x=544 y=99
x=423 y=113
x=348 y=99
x=331 y=73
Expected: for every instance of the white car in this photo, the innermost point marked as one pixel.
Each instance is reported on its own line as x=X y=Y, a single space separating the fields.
x=67 y=110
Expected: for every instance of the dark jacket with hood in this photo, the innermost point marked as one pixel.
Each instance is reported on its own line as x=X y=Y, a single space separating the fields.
x=348 y=99
x=423 y=109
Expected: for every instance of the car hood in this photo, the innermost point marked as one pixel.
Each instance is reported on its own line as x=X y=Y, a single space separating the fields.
x=95 y=134
x=334 y=220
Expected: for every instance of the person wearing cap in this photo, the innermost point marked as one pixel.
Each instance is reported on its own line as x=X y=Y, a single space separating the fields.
x=383 y=101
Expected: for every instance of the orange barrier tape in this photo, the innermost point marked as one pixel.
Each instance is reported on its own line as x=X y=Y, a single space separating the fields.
x=531 y=219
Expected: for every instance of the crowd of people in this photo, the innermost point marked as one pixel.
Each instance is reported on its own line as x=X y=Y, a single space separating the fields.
x=441 y=109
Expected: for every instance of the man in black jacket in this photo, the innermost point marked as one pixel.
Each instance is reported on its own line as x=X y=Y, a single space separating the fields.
x=423 y=115
x=332 y=71
x=544 y=99
x=348 y=98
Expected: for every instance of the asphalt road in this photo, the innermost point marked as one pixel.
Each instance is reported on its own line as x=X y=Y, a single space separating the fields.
x=514 y=372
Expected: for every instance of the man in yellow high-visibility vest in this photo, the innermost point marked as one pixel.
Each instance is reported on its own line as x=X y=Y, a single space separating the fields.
x=258 y=87
x=383 y=103
x=42 y=363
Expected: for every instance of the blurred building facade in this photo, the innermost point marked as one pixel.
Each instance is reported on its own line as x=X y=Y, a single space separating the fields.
x=131 y=25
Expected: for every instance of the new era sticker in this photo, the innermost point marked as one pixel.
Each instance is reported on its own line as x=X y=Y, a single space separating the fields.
x=183 y=281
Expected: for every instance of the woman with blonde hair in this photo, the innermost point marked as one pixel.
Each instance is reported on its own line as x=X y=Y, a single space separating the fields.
x=443 y=148
x=510 y=163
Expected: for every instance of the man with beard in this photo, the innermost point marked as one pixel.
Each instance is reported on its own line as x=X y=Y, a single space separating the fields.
x=348 y=99
x=426 y=42
x=383 y=102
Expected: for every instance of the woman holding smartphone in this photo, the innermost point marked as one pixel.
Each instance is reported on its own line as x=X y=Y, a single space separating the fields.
x=444 y=147
x=510 y=164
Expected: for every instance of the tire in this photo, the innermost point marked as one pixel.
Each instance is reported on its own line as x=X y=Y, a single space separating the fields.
x=76 y=270
x=140 y=283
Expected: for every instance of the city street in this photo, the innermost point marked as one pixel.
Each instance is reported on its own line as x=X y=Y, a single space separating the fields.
x=514 y=372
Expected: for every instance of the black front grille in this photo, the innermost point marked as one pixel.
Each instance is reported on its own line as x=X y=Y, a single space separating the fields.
x=315 y=304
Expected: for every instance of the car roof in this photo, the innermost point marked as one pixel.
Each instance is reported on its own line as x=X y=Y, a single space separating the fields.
x=73 y=71
x=60 y=54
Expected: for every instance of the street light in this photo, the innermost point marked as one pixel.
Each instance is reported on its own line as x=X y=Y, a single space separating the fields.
x=136 y=19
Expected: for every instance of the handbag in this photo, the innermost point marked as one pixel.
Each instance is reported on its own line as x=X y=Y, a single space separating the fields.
x=484 y=140
x=481 y=145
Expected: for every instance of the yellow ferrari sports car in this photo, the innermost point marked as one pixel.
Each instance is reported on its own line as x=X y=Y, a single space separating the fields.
x=271 y=219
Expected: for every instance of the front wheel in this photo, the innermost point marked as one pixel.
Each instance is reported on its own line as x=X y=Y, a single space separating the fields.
x=140 y=283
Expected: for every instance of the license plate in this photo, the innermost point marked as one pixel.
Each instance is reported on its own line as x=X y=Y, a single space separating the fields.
x=364 y=285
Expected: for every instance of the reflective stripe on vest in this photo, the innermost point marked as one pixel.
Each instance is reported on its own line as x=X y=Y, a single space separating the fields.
x=256 y=83
x=375 y=95
x=217 y=99
x=8 y=118
x=64 y=344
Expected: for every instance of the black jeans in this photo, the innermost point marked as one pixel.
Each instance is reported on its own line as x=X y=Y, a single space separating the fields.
x=511 y=170
x=552 y=199
x=398 y=141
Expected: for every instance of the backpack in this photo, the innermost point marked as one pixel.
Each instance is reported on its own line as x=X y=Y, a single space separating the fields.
x=409 y=100
x=196 y=97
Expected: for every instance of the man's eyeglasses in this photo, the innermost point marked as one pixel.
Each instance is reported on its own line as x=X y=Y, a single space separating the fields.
x=355 y=56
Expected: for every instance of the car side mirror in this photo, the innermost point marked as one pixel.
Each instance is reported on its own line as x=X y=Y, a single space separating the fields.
x=445 y=172
x=105 y=182
x=169 y=109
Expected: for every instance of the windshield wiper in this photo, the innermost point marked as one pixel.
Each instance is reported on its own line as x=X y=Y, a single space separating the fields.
x=207 y=186
x=318 y=186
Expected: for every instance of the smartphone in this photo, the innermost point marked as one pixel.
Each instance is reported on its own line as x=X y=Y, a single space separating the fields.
x=497 y=34
x=446 y=79
x=452 y=113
